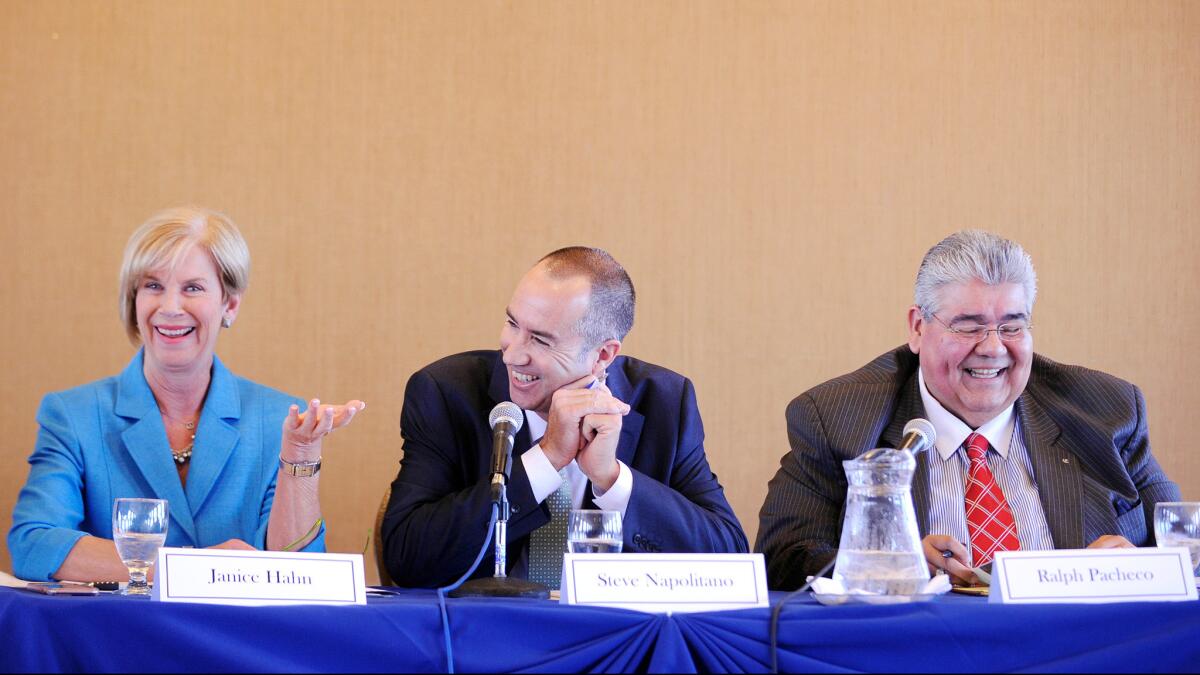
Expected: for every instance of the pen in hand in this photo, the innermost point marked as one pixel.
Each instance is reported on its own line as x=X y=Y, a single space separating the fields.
x=946 y=555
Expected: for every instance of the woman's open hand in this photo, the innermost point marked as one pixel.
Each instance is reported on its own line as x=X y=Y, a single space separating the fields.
x=303 y=432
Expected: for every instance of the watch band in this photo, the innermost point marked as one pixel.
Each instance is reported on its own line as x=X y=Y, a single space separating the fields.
x=300 y=469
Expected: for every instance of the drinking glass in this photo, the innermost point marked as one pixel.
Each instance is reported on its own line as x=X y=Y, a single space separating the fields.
x=1178 y=524
x=139 y=530
x=591 y=531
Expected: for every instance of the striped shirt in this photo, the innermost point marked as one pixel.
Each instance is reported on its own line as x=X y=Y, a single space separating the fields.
x=1009 y=462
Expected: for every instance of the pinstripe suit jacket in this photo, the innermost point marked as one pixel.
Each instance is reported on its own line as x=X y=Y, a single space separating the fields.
x=1086 y=433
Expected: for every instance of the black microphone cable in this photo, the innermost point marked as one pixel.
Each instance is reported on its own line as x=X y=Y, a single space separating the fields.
x=778 y=609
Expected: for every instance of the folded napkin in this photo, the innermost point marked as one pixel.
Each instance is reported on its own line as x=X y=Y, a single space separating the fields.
x=10 y=581
x=831 y=592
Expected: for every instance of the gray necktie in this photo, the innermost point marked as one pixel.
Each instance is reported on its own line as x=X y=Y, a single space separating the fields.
x=548 y=543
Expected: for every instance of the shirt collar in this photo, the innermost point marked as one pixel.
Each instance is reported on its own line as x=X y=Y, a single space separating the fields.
x=952 y=432
x=536 y=425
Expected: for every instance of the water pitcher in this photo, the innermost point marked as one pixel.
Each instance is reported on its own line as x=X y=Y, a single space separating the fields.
x=880 y=552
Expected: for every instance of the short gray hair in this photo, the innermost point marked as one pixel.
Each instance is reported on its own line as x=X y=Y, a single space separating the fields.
x=969 y=255
x=165 y=237
x=612 y=299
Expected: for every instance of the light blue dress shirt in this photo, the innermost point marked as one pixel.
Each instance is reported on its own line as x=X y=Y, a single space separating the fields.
x=106 y=440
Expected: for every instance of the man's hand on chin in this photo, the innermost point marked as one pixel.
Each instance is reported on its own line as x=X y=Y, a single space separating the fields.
x=565 y=422
x=598 y=458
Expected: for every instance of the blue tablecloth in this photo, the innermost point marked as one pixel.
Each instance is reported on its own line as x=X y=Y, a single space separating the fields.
x=404 y=633
x=954 y=634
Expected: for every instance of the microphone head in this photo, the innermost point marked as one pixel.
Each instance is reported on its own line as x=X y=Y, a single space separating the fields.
x=507 y=411
x=924 y=427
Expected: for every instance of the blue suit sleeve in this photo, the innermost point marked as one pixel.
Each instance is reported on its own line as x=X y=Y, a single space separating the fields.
x=437 y=517
x=688 y=513
x=49 y=509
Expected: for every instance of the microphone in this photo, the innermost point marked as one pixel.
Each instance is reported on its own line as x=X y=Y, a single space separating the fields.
x=919 y=435
x=505 y=420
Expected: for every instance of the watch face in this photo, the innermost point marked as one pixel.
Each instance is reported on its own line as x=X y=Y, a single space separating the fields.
x=300 y=469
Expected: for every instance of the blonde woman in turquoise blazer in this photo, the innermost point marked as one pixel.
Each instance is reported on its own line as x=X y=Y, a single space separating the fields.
x=238 y=462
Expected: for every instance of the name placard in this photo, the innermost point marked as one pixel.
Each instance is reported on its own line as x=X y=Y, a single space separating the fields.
x=1093 y=575
x=217 y=576
x=665 y=582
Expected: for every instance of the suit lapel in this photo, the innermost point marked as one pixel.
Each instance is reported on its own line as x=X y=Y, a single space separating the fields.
x=498 y=392
x=631 y=432
x=908 y=406
x=498 y=385
x=216 y=435
x=631 y=424
x=145 y=442
x=1056 y=472
x=521 y=442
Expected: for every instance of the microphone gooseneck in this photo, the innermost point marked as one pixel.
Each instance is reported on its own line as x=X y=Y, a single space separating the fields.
x=505 y=420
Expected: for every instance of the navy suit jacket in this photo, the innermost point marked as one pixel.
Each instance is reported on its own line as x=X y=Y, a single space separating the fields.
x=437 y=518
x=1085 y=431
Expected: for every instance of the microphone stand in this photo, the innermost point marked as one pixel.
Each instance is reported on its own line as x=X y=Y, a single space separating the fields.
x=500 y=585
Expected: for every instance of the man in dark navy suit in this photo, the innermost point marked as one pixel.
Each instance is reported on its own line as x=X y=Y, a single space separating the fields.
x=601 y=431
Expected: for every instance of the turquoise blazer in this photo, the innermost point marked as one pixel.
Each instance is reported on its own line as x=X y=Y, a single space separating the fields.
x=106 y=440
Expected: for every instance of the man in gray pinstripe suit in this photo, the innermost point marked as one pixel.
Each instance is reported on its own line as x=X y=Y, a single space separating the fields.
x=1069 y=446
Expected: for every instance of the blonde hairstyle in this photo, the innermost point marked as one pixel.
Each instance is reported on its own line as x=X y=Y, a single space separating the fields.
x=162 y=241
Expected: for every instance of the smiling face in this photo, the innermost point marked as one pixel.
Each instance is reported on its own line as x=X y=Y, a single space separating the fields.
x=975 y=381
x=540 y=341
x=179 y=312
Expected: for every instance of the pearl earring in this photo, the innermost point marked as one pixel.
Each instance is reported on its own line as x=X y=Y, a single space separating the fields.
x=225 y=322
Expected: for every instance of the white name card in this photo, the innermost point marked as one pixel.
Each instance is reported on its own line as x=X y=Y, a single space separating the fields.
x=1093 y=575
x=665 y=582
x=217 y=576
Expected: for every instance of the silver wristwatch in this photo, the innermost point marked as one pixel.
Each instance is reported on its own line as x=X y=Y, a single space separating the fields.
x=300 y=469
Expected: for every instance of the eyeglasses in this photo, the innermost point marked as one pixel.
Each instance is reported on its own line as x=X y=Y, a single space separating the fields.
x=974 y=333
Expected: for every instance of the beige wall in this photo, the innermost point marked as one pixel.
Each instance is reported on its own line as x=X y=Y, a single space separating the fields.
x=769 y=172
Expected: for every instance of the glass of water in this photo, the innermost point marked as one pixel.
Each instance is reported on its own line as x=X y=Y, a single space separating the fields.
x=139 y=530
x=594 y=531
x=1178 y=524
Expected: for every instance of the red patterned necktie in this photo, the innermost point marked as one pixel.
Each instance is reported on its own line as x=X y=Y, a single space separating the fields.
x=989 y=520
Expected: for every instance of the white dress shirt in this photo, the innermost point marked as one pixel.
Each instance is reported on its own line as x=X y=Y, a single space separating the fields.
x=545 y=480
x=1009 y=463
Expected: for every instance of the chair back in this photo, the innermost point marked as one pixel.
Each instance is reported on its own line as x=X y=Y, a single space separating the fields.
x=377 y=536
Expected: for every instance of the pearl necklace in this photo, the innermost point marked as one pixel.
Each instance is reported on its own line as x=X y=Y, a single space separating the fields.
x=183 y=454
